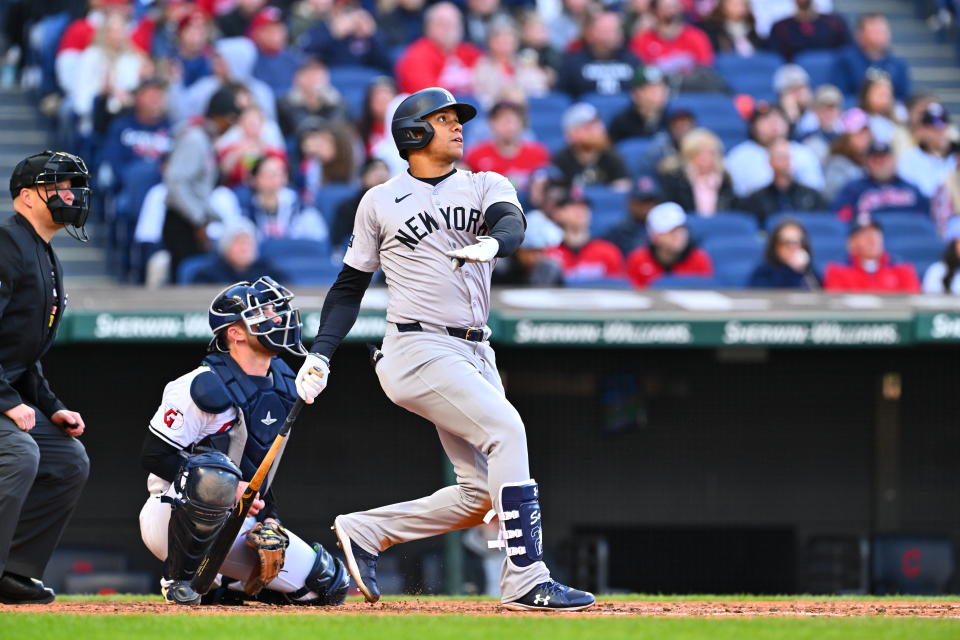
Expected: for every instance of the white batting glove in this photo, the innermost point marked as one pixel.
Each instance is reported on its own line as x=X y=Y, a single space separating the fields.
x=312 y=377
x=484 y=250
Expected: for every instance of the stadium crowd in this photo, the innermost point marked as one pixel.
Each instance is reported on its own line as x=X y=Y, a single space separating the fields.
x=654 y=143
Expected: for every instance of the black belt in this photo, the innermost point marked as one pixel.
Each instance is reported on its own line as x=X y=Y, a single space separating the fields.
x=471 y=334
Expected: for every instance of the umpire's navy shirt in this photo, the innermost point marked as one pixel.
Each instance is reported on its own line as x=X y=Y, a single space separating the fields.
x=31 y=306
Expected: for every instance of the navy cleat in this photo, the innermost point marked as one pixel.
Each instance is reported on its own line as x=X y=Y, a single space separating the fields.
x=361 y=564
x=552 y=596
x=180 y=592
x=17 y=589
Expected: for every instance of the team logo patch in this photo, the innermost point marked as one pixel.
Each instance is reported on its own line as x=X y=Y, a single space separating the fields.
x=173 y=418
x=350 y=242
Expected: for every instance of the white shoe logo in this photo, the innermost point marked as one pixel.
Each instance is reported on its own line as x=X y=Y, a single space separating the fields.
x=545 y=601
x=268 y=420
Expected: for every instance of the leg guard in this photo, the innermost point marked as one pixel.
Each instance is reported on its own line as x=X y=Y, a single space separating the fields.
x=328 y=579
x=520 y=533
x=207 y=488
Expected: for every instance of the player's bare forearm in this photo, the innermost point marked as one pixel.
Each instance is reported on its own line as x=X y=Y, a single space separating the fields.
x=340 y=310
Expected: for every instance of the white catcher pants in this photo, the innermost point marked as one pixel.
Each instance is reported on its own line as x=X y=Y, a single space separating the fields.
x=454 y=384
x=154 y=520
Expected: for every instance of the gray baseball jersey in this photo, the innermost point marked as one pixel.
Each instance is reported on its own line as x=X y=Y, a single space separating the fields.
x=405 y=225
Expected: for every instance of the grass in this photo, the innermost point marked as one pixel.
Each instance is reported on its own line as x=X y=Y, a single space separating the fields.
x=72 y=627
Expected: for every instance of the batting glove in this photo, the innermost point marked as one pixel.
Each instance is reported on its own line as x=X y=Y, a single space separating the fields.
x=484 y=250
x=312 y=377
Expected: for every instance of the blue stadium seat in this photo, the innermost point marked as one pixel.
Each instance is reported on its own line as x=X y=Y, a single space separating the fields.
x=921 y=251
x=715 y=111
x=723 y=224
x=733 y=258
x=828 y=248
x=190 y=267
x=818 y=223
x=329 y=197
x=906 y=224
x=684 y=282
x=606 y=206
x=610 y=282
x=306 y=270
x=549 y=104
x=634 y=152
x=734 y=272
x=295 y=247
x=819 y=63
x=554 y=141
x=752 y=75
x=607 y=105
x=353 y=76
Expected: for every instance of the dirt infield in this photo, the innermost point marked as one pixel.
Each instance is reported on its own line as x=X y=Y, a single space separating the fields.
x=428 y=606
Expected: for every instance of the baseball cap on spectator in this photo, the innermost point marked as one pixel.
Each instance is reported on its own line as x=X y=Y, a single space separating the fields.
x=952 y=232
x=151 y=82
x=266 y=16
x=828 y=95
x=579 y=114
x=647 y=75
x=862 y=221
x=879 y=148
x=542 y=233
x=855 y=120
x=790 y=76
x=935 y=116
x=194 y=14
x=679 y=112
x=763 y=108
x=223 y=103
x=665 y=217
x=573 y=195
x=645 y=187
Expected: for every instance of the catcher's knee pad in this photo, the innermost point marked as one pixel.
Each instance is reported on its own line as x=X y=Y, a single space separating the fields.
x=521 y=535
x=328 y=579
x=207 y=488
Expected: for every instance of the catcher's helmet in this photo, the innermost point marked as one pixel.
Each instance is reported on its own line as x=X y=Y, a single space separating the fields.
x=264 y=307
x=408 y=118
x=47 y=169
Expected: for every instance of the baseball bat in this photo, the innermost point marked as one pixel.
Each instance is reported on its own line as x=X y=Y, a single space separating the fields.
x=218 y=551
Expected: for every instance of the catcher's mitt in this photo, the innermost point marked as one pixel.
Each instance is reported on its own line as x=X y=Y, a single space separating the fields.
x=270 y=542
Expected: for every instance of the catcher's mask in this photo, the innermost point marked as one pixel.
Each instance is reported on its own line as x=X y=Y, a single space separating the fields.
x=48 y=169
x=265 y=310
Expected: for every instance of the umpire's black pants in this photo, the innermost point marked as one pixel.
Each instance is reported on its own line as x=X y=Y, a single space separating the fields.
x=42 y=473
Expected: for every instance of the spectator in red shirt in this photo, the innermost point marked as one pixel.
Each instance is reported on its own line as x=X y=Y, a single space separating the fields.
x=673 y=45
x=871 y=268
x=582 y=257
x=440 y=58
x=807 y=29
x=671 y=250
x=507 y=153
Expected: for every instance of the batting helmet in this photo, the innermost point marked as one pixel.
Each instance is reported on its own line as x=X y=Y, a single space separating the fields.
x=410 y=131
x=264 y=307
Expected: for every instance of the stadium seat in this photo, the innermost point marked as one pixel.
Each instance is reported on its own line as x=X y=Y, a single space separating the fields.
x=294 y=247
x=607 y=105
x=548 y=105
x=752 y=75
x=715 y=111
x=610 y=282
x=723 y=224
x=921 y=251
x=815 y=222
x=828 y=248
x=306 y=270
x=734 y=273
x=667 y=281
x=607 y=207
x=634 y=152
x=353 y=76
x=329 y=197
x=190 y=267
x=819 y=64
x=898 y=224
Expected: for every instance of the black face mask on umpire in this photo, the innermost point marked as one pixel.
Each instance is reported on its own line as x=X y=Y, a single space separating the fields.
x=45 y=171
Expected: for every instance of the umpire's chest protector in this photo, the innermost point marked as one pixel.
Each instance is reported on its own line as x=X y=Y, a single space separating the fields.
x=264 y=402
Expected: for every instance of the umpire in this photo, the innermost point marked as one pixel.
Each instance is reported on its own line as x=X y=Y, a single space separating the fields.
x=42 y=466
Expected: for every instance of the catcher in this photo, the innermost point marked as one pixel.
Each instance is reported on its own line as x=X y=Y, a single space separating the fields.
x=205 y=442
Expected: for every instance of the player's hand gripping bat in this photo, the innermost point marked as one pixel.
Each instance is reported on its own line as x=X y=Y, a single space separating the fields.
x=210 y=565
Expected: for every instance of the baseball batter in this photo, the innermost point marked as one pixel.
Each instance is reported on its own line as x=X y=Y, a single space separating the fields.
x=436 y=232
x=205 y=442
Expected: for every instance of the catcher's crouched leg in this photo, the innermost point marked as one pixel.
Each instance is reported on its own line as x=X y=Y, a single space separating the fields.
x=207 y=489
x=326 y=584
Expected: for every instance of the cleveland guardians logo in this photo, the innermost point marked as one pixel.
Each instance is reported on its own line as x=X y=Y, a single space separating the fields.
x=173 y=418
